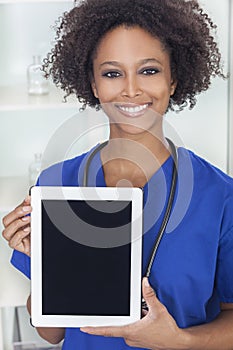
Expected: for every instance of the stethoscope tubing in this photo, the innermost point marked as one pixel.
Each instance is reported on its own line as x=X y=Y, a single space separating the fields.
x=167 y=214
x=170 y=201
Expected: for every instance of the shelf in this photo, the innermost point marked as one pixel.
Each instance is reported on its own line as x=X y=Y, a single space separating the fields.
x=17 y=98
x=12 y=192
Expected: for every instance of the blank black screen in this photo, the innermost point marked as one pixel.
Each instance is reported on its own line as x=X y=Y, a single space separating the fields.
x=82 y=279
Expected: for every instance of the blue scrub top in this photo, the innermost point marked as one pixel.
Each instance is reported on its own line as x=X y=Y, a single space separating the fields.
x=193 y=269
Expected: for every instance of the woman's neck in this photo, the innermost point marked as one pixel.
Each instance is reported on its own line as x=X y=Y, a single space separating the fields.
x=133 y=161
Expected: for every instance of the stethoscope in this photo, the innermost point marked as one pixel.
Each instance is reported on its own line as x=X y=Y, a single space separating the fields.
x=170 y=201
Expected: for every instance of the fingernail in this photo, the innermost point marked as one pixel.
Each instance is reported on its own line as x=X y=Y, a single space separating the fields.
x=27 y=229
x=26 y=209
x=25 y=218
x=27 y=198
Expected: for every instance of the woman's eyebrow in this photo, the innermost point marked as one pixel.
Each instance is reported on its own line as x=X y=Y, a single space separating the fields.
x=149 y=60
x=143 y=61
x=111 y=63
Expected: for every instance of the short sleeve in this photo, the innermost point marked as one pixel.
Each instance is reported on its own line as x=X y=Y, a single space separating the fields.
x=21 y=262
x=224 y=272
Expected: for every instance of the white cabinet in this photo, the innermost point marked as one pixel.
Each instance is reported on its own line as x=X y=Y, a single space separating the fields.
x=26 y=122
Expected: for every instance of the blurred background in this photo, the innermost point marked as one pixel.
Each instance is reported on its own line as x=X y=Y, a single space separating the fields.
x=32 y=113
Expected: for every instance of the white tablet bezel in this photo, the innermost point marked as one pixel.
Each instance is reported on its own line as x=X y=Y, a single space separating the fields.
x=40 y=193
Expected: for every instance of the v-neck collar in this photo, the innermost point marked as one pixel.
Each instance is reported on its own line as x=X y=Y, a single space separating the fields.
x=164 y=169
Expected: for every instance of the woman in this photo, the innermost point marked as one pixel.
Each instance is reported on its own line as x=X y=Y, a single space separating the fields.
x=137 y=60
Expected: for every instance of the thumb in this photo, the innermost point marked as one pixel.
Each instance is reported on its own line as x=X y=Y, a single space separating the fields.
x=149 y=294
x=27 y=200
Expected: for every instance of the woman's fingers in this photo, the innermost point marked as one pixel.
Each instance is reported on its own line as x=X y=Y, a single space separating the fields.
x=24 y=246
x=20 y=238
x=27 y=245
x=23 y=209
x=17 y=227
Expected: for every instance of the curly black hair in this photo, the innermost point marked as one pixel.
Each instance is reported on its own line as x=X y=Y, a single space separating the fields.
x=181 y=25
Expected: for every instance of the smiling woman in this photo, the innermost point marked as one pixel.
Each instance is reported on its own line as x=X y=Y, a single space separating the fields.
x=132 y=79
x=128 y=71
x=136 y=60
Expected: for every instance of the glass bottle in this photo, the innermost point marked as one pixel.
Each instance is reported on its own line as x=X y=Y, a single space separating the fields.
x=35 y=169
x=37 y=83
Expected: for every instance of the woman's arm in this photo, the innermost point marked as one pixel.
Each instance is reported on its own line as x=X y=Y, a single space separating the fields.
x=159 y=331
x=214 y=335
x=52 y=335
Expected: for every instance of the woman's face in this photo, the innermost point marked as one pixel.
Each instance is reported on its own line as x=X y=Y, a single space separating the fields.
x=132 y=79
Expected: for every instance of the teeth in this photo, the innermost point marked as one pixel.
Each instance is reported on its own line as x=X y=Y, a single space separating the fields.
x=133 y=109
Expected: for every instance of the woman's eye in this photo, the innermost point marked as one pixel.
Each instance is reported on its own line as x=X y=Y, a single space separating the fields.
x=150 y=71
x=111 y=74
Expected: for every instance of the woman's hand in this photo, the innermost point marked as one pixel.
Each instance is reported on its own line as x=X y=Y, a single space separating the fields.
x=17 y=227
x=157 y=330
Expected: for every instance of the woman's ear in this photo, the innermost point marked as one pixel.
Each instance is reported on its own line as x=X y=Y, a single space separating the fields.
x=94 y=89
x=173 y=87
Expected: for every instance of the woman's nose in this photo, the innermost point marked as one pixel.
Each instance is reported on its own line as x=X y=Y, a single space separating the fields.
x=132 y=87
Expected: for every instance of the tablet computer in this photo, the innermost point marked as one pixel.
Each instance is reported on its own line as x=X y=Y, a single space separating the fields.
x=86 y=248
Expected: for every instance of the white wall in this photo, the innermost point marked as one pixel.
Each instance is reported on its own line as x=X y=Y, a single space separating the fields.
x=205 y=128
x=25 y=30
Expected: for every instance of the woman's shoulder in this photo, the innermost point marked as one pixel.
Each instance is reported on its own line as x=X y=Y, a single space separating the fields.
x=64 y=173
x=203 y=170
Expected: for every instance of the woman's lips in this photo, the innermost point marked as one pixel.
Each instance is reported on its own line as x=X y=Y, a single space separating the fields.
x=133 y=110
